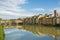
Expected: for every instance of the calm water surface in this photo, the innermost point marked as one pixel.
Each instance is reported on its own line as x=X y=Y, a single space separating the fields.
x=16 y=34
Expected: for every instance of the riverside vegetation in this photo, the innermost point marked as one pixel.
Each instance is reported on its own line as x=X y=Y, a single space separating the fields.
x=2 y=35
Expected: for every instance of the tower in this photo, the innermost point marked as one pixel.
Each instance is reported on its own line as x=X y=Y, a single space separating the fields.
x=55 y=13
x=55 y=18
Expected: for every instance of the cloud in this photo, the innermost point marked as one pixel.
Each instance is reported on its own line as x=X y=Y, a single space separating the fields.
x=11 y=14
x=38 y=9
x=57 y=9
x=10 y=8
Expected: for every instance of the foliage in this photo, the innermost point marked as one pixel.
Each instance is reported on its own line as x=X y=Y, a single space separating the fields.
x=2 y=35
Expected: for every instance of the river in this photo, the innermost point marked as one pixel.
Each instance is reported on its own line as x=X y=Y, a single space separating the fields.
x=23 y=34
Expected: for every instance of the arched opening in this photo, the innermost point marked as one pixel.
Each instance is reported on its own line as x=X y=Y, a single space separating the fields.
x=13 y=23
x=7 y=24
x=20 y=23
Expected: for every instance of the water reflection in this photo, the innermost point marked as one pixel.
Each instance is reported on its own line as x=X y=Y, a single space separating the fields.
x=39 y=28
x=16 y=34
x=53 y=31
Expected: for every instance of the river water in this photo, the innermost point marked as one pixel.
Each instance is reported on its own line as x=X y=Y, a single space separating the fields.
x=20 y=34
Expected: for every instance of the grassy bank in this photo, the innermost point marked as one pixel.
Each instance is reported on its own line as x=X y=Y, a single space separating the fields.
x=2 y=32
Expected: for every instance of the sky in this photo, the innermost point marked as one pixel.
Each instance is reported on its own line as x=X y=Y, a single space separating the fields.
x=13 y=9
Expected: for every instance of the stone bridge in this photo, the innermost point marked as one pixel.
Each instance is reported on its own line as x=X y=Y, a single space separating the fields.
x=11 y=23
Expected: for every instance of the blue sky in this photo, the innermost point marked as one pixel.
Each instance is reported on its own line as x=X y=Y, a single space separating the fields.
x=42 y=3
x=22 y=8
